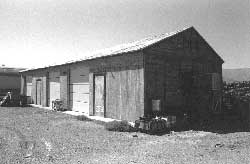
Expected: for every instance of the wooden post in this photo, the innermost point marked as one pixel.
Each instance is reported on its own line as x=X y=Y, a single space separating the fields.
x=23 y=85
x=248 y=114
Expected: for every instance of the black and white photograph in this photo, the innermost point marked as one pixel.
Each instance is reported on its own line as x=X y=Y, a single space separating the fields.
x=124 y=82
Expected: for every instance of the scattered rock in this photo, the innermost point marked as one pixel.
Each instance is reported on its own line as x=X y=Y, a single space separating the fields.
x=218 y=145
x=28 y=155
x=51 y=158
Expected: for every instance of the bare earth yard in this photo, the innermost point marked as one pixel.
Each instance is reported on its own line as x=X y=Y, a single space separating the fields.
x=33 y=135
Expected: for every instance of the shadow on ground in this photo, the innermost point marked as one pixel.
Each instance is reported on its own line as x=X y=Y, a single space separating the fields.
x=224 y=126
x=85 y=118
x=218 y=125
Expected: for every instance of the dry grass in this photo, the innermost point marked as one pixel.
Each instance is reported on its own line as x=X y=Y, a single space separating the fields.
x=32 y=135
x=83 y=118
x=119 y=126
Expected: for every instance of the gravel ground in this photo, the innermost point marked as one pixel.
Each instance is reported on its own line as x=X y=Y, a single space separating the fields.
x=33 y=135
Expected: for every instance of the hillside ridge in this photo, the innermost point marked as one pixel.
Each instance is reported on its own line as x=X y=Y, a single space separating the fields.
x=237 y=74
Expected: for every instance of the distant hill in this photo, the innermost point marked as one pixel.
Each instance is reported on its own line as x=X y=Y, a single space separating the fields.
x=232 y=75
x=10 y=69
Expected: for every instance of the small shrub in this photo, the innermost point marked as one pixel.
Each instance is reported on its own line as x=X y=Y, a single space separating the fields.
x=83 y=118
x=119 y=126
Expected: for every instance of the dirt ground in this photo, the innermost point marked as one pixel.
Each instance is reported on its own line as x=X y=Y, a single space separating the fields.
x=33 y=135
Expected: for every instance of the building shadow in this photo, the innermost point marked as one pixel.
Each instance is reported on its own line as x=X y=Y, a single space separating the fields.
x=218 y=124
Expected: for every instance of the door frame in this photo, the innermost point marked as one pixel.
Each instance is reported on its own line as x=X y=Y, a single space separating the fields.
x=39 y=81
x=51 y=75
x=104 y=103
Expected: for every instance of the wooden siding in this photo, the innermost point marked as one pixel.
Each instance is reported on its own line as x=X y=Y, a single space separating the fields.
x=124 y=98
x=45 y=90
x=54 y=79
x=23 y=85
x=99 y=95
x=33 y=90
x=124 y=85
x=39 y=92
x=170 y=68
x=64 y=87
x=31 y=82
x=91 y=95
x=163 y=82
x=163 y=71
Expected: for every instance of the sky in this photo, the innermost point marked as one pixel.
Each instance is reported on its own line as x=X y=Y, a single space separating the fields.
x=36 y=33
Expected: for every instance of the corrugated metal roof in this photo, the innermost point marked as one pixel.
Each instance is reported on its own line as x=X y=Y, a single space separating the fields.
x=131 y=47
x=119 y=49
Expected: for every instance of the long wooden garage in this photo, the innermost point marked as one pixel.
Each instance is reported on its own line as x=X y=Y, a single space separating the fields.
x=124 y=82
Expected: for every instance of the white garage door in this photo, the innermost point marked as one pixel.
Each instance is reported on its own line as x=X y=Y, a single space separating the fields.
x=28 y=85
x=54 y=87
x=79 y=89
x=29 y=88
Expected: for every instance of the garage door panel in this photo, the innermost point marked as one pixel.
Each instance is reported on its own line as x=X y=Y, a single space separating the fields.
x=54 y=87
x=54 y=76
x=55 y=90
x=80 y=78
x=79 y=106
x=28 y=89
x=79 y=97
x=82 y=88
x=79 y=75
x=81 y=103
x=79 y=89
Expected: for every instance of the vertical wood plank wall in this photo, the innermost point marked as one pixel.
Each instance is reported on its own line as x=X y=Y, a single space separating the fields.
x=91 y=96
x=124 y=85
x=163 y=83
x=64 y=74
x=30 y=86
x=44 y=80
x=44 y=90
x=23 y=86
x=167 y=63
x=124 y=98
x=33 y=91
x=133 y=80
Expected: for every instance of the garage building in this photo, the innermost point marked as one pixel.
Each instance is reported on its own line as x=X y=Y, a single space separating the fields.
x=175 y=73
x=9 y=80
